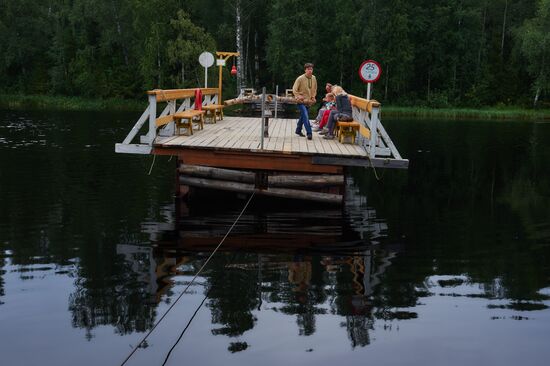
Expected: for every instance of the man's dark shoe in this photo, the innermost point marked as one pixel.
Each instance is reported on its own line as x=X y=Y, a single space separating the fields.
x=300 y=134
x=309 y=137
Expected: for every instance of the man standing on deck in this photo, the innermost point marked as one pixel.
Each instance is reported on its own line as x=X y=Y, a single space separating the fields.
x=305 y=90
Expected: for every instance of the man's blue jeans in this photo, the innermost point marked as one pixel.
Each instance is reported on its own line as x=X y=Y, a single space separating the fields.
x=303 y=120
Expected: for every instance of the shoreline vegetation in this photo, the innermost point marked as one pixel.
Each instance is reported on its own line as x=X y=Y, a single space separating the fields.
x=482 y=113
x=65 y=103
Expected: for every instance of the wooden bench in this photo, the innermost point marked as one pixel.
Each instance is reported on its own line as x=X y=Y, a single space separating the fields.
x=347 y=129
x=213 y=112
x=183 y=119
x=186 y=118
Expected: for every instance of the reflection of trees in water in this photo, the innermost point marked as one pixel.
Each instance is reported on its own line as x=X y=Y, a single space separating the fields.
x=287 y=274
x=358 y=327
x=122 y=293
x=123 y=289
x=477 y=205
x=302 y=286
x=2 y=272
x=233 y=296
x=304 y=294
x=123 y=309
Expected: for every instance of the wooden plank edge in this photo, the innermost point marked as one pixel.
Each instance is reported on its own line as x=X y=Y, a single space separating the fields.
x=133 y=149
x=366 y=163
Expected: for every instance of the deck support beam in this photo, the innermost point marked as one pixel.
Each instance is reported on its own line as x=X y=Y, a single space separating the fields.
x=254 y=160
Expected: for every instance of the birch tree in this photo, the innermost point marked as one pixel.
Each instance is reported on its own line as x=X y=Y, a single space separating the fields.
x=534 y=36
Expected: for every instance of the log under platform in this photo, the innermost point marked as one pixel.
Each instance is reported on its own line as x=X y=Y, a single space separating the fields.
x=228 y=155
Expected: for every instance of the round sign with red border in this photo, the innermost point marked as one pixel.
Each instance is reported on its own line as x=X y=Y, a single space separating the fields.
x=370 y=71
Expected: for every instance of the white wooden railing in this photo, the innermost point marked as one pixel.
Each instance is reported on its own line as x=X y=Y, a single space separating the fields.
x=185 y=98
x=373 y=136
x=379 y=143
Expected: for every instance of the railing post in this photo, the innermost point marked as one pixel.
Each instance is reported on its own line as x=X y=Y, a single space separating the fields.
x=373 y=131
x=263 y=116
x=152 y=119
x=276 y=97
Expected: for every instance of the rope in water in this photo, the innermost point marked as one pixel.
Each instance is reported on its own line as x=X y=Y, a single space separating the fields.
x=153 y=163
x=185 y=290
x=378 y=178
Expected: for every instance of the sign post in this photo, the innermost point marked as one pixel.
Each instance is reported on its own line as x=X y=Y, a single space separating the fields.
x=206 y=59
x=370 y=72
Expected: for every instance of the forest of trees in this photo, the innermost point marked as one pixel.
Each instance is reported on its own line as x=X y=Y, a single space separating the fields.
x=433 y=53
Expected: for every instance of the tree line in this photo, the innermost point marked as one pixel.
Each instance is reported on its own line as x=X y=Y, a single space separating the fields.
x=443 y=53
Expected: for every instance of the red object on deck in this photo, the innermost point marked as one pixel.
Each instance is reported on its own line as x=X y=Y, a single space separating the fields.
x=324 y=120
x=198 y=99
x=233 y=70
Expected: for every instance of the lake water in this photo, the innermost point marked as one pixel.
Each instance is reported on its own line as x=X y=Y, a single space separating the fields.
x=447 y=263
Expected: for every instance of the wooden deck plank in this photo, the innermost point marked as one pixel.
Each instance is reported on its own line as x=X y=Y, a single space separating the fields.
x=280 y=131
x=289 y=133
x=274 y=134
x=332 y=146
x=341 y=148
x=282 y=136
x=216 y=138
x=318 y=143
x=234 y=134
x=242 y=133
x=270 y=143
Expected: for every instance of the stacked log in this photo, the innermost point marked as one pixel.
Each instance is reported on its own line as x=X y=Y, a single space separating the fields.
x=287 y=100
x=282 y=185
x=242 y=100
x=249 y=99
x=269 y=98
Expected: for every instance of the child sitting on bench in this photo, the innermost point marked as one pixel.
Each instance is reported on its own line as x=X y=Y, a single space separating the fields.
x=322 y=116
x=343 y=112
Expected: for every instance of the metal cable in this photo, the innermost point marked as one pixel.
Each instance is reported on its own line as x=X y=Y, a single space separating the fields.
x=374 y=170
x=186 y=327
x=152 y=164
x=185 y=290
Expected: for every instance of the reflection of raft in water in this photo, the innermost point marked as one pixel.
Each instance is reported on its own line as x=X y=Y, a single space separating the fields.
x=279 y=228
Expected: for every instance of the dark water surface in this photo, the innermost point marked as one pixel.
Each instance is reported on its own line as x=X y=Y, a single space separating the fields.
x=445 y=264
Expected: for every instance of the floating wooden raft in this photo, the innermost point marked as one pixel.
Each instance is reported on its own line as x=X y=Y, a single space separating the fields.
x=249 y=155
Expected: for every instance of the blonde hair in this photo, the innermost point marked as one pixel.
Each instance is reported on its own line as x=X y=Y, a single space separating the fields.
x=337 y=90
x=329 y=95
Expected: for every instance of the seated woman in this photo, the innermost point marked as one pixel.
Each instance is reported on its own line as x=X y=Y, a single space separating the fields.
x=342 y=112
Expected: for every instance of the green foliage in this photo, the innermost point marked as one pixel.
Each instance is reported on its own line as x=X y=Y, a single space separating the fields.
x=534 y=37
x=291 y=41
x=467 y=53
x=184 y=50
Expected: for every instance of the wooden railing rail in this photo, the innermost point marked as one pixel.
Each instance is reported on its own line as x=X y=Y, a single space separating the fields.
x=163 y=95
